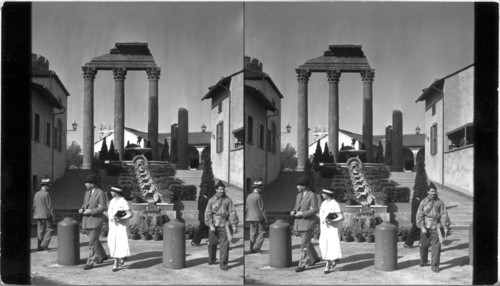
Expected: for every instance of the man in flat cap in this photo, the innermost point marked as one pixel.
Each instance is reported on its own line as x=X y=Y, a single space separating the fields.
x=219 y=213
x=44 y=214
x=305 y=210
x=431 y=216
x=94 y=204
x=256 y=216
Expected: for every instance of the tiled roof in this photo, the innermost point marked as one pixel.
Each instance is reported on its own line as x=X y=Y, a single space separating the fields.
x=434 y=86
x=252 y=74
x=217 y=86
x=40 y=72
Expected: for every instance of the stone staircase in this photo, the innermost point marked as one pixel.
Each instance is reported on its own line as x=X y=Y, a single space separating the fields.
x=460 y=207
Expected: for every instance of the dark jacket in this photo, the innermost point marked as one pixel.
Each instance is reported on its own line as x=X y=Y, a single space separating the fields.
x=97 y=203
x=415 y=202
x=307 y=204
x=42 y=205
x=255 y=207
x=202 y=205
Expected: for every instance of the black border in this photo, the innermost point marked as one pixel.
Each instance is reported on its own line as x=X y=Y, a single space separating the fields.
x=16 y=143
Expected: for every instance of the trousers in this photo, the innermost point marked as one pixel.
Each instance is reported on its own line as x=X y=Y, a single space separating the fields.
x=96 y=251
x=431 y=239
x=44 y=232
x=307 y=248
x=257 y=232
x=219 y=236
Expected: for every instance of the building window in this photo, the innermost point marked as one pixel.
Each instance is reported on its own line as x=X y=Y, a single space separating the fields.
x=273 y=138
x=219 y=107
x=268 y=142
x=35 y=182
x=250 y=130
x=48 y=138
x=55 y=142
x=220 y=132
x=433 y=139
x=460 y=137
x=37 y=127
x=434 y=109
x=261 y=136
x=59 y=135
x=238 y=137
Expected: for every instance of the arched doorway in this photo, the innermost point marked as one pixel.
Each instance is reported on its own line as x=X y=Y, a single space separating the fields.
x=194 y=157
x=421 y=154
x=408 y=159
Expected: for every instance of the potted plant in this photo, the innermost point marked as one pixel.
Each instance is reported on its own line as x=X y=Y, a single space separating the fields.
x=104 y=229
x=369 y=234
x=157 y=232
x=380 y=198
x=134 y=232
x=347 y=233
x=144 y=232
x=358 y=235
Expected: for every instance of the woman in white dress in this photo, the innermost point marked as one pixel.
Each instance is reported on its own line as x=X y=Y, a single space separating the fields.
x=329 y=240
x=118 y=213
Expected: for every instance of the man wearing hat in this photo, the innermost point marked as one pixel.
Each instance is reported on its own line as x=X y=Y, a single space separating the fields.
x=44 y=214
x=305 y=210
x=431 y=216
x=256 y=216
x=94 y=204
x=219 y=212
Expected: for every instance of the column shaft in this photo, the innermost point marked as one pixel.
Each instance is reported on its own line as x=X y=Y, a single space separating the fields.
x=119 y=123
x=367 y=77
x=153 y=76
x=302 y=122
x=88 y=116
x=333 y=113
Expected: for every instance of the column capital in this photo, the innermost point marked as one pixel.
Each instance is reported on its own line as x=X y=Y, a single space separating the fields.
x=89 y=73
x=333 y=76
x=367 y=75
x=119 y=73
x=153 y=73
x=303 y=75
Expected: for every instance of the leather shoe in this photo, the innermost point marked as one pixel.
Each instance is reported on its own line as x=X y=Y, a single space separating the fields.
x=87 y=267
x=102 y=260
x=299 y=269
x=314 y=262
x=212 y=262
x=42 y=248
x=225 y=268
x=195 y=244
x=422 y=264
x=406 y=246
x=435 y=269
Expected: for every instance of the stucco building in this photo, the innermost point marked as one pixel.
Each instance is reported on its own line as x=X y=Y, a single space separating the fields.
x=449 y=117
x=227 y=148
x=263 y=125
x=48 y=122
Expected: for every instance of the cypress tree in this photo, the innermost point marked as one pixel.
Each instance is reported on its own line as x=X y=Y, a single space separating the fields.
x=388 y=153
x=173 y=154
x=317 y=157
x=165 y=152
x=420 y=187
x=380 y=153
x=326 y=154
x=111 y=153
x=207 y=184
x=308 y=173
x=103 y=154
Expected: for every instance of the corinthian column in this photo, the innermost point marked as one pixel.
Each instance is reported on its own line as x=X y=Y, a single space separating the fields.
x=88 y=116
x=153 y=77
x=367 y=77
x=333 y=112
x=302 y=128
x=119 y=126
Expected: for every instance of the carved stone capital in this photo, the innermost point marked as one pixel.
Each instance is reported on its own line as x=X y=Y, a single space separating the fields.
x=119 y=73
x=154 y=73
x=303 y=75
x=89 y=73
x=333 y=76
x=367 y=75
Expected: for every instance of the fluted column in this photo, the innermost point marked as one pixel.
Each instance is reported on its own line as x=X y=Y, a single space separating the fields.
x=367 y=77
x=333 y=112
x=119 y=124
x=88 y=116
x=153 y=77
x=302 y=128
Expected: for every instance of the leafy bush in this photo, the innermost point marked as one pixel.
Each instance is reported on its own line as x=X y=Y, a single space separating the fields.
x=114 y=170
x=133 y=230
x=183 y=192
x=329 y=172
x=397 y=194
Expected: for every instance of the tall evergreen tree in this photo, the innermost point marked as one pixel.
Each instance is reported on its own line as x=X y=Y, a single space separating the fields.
x=388 y=153
x=207 y=184
x=420 y=187
x=173 y=154
x=111 y=153
x=380 y=153
x=317 y=157
x=308 y=173
x=103 y=155
x=326 y=154
x=165 y=152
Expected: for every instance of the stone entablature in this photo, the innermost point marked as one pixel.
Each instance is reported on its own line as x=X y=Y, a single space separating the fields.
x=131 y=56
x=343 y=58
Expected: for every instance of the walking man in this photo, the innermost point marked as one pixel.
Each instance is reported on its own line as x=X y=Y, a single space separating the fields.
x=256 y=216
x=94 y=204
x=44 y=214
x=431 y=216
x=219 y=214
x=305 y=210
x=202 y=229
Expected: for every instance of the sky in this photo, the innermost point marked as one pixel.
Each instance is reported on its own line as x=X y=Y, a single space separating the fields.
x=195 y=44
x=408 y=44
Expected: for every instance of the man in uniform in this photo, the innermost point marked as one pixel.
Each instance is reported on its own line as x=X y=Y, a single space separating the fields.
x=305 y=210
x=44 y=214
x=94 y=204
x=219 y=214
x=256 y=216
x=431 y=216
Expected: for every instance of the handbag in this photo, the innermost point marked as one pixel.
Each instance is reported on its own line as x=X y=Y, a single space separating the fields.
x=120 y=213
x=332 y=216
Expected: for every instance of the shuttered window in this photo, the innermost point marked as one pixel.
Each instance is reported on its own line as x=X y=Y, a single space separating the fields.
x=220 y=132
x=433 y=139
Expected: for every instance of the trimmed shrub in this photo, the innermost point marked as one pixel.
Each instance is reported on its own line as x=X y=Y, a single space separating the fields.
x=183 y=192
x=397 y=194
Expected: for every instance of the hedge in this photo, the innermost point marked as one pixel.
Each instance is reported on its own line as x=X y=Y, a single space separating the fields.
x=397 y=194
x=183 y=192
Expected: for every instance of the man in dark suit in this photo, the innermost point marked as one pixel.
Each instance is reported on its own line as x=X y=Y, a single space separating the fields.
x=44 y=214
x=202 y=230
x=256 y=216
x=305 y=210
x=94 y=204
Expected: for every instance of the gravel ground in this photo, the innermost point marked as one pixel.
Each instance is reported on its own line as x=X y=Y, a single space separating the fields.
x=357 y=266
